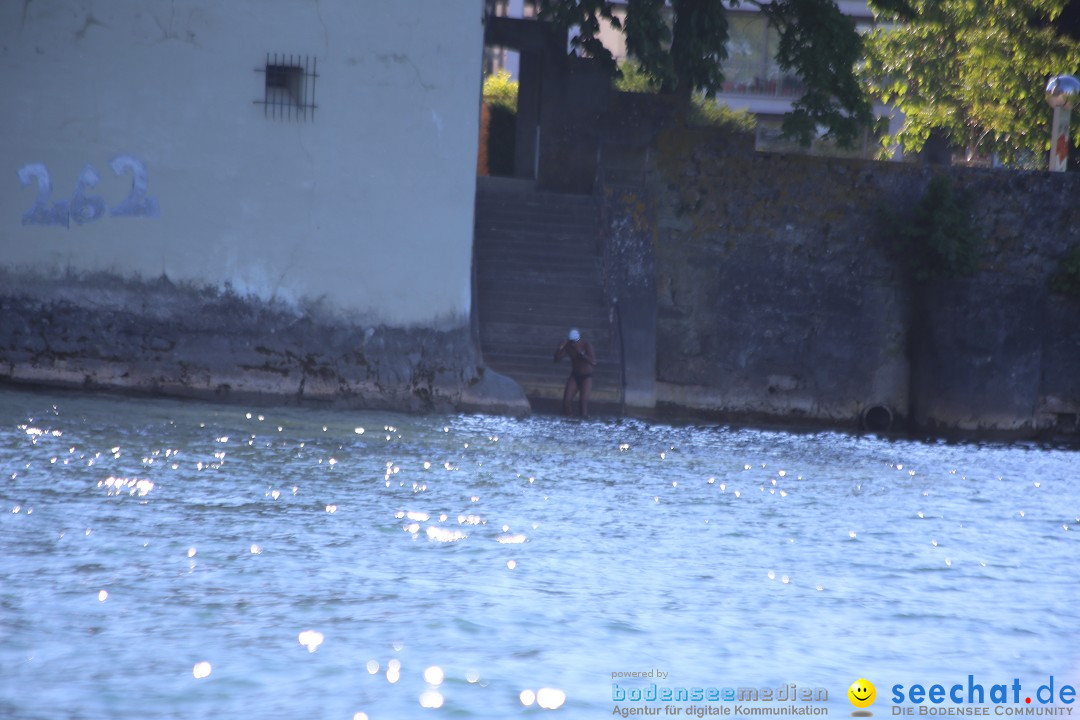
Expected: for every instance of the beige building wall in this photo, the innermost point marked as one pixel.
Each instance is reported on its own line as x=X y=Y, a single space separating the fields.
x=134 y=141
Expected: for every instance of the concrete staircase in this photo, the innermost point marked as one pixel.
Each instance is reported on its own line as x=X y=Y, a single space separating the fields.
x=538 y=273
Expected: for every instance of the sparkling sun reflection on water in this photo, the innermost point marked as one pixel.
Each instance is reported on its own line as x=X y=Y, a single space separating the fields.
x=217 y=561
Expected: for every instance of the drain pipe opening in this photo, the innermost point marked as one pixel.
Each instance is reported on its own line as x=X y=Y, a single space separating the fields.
x=877 y=418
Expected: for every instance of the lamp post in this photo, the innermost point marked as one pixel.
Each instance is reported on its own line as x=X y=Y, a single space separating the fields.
x=1062 y=93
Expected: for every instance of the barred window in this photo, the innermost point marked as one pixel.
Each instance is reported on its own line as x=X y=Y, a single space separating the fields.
x=289 y=86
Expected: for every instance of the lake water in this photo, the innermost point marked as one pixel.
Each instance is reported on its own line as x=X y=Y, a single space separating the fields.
x=166 y=559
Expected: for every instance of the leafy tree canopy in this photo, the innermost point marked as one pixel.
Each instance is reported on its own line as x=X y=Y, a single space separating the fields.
x=702 y=111
x=682 y=45
x=501 y=89
x=973 y=70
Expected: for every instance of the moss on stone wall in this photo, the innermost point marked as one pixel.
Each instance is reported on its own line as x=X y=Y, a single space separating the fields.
x=103 y=331
x=781 y=292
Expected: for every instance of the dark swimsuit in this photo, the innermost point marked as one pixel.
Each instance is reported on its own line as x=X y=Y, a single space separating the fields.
x=579 y=377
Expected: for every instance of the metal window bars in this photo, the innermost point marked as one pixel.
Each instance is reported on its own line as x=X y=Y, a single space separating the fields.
x=289 y=86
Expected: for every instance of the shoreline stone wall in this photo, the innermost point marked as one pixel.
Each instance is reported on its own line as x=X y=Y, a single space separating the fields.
x=105 y=332
x=783 y=297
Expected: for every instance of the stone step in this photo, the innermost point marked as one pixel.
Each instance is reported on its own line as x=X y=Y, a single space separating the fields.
x=521 y=271
x=538 y=273
x=540 y=284
x=541 y=352
x=536 y=199
x=501 y=324
x=540 y=292
x=594 y=326
x=537 y=243
x=536 y=238
x=521 y=274
x=532 y=379
x=506 y=208
x=555 y=392
x=545 y=299
x=514 y=309
x=512 y=213
x=525 y=190
x=499 y=183
x=553 y=384
x=597 y=398
x=540 y=357
x=542 y=366
x=485 y=189
x=541 y=246
x=504 y=260
x=540 y=338
x=534 y=195
x=507 y=212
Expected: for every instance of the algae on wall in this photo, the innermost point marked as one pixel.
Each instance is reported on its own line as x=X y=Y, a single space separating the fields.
x=782 y=293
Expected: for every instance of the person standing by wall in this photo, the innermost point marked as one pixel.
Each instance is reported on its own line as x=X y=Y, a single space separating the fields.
x=582 y=361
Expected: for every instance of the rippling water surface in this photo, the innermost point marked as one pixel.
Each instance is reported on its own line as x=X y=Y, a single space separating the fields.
x=162 y=559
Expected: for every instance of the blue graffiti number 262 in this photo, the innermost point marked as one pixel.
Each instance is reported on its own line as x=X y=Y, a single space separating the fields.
x=83 y=207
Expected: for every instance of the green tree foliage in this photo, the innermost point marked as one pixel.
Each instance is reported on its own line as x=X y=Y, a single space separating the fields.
x=972 y=70
x=632 y=78
x=706 y=112
x=682 y=44
x=686 y=55
x=501 y=91
x=820 y=44
x=501 y=97
x=703 y=110
x=585 y=17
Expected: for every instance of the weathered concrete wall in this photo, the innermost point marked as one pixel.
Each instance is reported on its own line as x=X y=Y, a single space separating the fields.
x=782 y=296
x=365 y=200
x=107 y=332
x=140 y=147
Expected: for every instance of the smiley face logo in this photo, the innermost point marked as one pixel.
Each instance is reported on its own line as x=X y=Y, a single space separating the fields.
x=862 y=693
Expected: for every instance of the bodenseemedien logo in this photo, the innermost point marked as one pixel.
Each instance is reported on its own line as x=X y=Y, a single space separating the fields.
x=862 y=694
x=786 y=701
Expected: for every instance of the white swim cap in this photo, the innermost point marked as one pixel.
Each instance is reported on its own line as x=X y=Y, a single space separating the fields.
x=574 y=335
